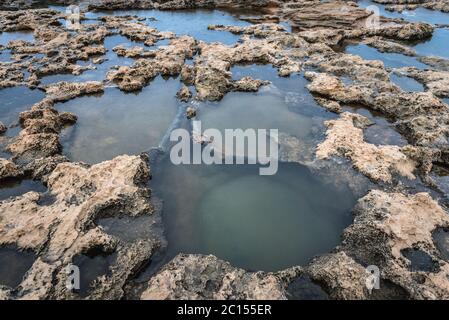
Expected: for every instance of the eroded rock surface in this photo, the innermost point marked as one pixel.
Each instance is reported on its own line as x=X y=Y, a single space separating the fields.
x=66 y=227
x=345 y=138
x=197 y=277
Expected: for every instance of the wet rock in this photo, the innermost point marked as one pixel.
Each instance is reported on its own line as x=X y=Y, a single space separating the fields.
x=136 y=31
x=191 y=112
x=63 y=91
x=345 y=138
x=420 y=116
x=303 y=288
x=213 y=78
x=385 y=224
x=188 y=74
x=134 y=52
x=3 y=128
x=441 y=240
x=436 y=62
x=175 y=4
x=343 y=278
x=168 y=61
x=248 y=84
x=184 y=94
x=332 y=106
x=400 y=5
x=206 y=277
x=435 y=81
x=130 y=260
x=83 y=194
x=9 y=169
x=41 y=168
x=39 y=137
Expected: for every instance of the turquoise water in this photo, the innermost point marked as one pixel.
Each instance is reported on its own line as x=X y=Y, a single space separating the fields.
x=255 y=222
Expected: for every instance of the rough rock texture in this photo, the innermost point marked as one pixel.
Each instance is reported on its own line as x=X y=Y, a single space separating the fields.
x=61 y=224
x=436 y=82
x=42 y=124
x=400 y=5
x=184 y=94
x=9 y=170
x=420 y=116
x=167 y=61
x=385 y=225
x=196 y=277
x=345 y=138
x=83 y=194
x=342 y=277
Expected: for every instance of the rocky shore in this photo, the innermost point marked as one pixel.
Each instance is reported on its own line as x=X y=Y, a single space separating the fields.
x=392 y=225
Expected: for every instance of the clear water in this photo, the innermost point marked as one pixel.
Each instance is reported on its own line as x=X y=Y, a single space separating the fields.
x=15 y=100
x=92 y=266
x=185 y=22
x=406 y=83
x=418 y=15
x=437 y=45
x=381 y=132
x=14 y=188
x=6 y=37
x=390 y=60
x=255 y=222
x=13 y=265
x=118 y=123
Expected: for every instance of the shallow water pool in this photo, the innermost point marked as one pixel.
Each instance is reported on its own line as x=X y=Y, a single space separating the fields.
x=118 y=123
x=255 y=222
